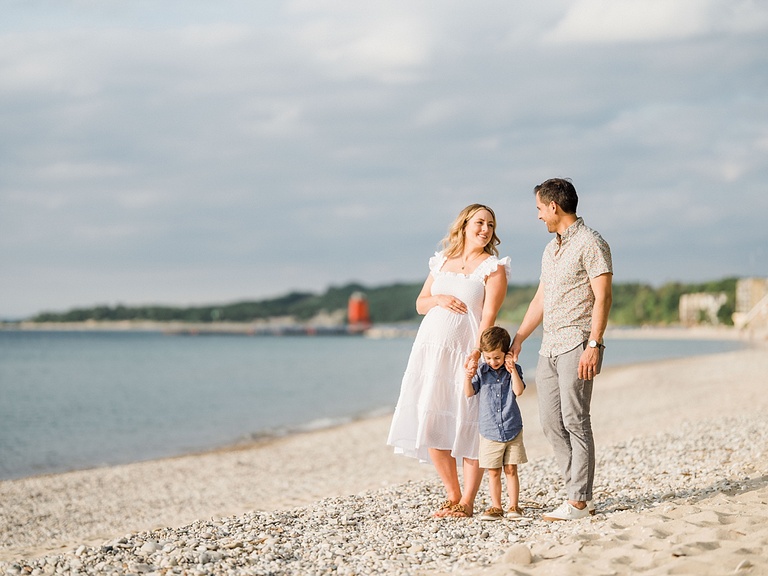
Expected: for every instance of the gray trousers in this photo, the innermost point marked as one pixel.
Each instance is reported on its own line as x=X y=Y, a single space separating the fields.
x=564 y=403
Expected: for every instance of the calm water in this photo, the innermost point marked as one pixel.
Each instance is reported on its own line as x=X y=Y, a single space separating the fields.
x=72 y=400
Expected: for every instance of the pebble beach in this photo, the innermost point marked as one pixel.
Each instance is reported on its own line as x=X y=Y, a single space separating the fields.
x=681 y=488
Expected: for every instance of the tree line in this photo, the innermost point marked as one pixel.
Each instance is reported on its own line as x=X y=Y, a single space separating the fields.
x=634 y=304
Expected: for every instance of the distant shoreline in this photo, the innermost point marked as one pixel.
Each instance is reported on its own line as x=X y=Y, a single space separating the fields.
x=375 y=331
x=678 y=332
x=185 y=328
x=248 y=328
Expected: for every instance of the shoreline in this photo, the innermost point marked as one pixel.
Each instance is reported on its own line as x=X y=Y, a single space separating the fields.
x=686 y=333
x=643 y=409
x=252 y=442
x=266 y=328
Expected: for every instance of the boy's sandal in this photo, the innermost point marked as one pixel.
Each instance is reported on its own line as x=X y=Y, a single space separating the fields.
x=492 y=513
x=515 y=513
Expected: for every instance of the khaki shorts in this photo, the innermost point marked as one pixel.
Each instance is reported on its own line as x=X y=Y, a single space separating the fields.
x=497 y=454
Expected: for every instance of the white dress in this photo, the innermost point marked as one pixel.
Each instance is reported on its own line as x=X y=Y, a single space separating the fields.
x=432 y=410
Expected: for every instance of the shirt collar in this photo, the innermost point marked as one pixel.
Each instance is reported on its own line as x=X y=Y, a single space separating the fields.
x=487 y=368
x=571 y=230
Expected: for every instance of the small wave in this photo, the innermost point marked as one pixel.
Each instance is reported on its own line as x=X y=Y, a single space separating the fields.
x=316 y=425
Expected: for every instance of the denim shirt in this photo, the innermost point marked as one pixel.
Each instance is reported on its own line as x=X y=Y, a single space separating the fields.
x=500 y=418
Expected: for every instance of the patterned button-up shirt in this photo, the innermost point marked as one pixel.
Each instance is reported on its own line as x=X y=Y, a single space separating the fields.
x=569 y=262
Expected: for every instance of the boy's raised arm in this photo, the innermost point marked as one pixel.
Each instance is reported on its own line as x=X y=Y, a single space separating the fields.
x=469 y=373
x=518 y=387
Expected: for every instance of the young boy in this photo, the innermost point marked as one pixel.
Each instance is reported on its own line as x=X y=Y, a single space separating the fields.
x=501 y=424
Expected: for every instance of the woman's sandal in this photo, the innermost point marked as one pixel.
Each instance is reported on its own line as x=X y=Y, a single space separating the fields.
x=460 y=511
x=444 y=509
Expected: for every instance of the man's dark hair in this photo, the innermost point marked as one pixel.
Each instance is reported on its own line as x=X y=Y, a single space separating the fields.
x=559 y=190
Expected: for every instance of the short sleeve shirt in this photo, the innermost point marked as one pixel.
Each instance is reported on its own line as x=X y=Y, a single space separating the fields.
x=499 y=415
x=569 y=262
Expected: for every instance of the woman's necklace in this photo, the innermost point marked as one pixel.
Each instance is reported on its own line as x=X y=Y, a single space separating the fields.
x=464 y=260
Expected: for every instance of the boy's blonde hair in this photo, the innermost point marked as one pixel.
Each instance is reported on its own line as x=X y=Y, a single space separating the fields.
x=494 y=338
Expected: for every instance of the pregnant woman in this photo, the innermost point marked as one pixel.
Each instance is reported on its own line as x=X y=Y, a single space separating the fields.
x=434 y=421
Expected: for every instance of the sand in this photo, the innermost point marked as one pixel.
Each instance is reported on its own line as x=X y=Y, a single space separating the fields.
x=723 y=533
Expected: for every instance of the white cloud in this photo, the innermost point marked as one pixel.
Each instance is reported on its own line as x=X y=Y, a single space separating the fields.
x=276 y=118
x=439 y=111
x=388 y=43
x=194 y=138
x=216 y=35
x=617 y=21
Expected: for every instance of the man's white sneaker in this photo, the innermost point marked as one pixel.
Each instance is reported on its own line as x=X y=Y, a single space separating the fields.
x=566 y=512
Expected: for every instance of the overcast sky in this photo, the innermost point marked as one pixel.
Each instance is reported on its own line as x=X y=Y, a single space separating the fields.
x=188 y=152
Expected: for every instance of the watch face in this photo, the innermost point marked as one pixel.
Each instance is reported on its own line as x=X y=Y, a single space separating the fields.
x=593 y=343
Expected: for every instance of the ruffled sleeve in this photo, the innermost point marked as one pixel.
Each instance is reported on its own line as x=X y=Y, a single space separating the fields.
x=436 y=262
x=490 y=264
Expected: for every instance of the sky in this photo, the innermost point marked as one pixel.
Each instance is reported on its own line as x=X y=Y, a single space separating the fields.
x=191 y=152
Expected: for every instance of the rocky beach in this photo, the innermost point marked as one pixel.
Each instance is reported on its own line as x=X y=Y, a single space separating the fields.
x=681 y=488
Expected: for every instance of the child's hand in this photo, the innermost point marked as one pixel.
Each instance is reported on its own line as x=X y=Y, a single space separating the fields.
x=470 y=366
x=509 y=362
x=472 y=362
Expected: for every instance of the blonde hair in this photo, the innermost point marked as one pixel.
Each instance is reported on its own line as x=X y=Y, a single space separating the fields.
x=453 y=243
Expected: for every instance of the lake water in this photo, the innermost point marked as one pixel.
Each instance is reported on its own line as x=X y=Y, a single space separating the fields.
x=75 y=400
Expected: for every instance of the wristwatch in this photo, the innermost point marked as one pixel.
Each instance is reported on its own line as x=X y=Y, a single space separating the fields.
x=595 y=344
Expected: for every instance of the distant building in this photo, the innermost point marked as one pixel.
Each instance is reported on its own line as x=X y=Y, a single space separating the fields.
x=751 y=303
x=701 y=308
x=358 y=316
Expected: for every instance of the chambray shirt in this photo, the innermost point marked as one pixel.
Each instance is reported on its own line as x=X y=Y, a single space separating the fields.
x=500 y=418
x=569 y=262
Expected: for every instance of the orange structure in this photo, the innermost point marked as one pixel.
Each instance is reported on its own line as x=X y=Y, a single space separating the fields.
x=358 y=316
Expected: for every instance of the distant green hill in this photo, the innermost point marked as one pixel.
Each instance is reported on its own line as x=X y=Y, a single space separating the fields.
x=634 y=304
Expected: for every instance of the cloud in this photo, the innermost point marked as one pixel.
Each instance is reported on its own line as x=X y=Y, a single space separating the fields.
x=188 y=151
x=382 y=42
x=618 y=21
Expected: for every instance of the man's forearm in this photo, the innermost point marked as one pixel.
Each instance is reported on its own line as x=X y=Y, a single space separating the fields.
x=599 y=321
x=603 y=299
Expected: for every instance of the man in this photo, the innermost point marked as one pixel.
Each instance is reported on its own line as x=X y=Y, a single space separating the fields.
x=573 y=300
